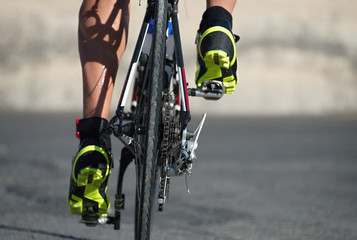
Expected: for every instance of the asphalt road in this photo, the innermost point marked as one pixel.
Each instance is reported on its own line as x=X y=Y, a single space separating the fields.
x=256 y=178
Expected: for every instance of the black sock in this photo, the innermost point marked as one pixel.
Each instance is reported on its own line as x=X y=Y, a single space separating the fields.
x=215 y=16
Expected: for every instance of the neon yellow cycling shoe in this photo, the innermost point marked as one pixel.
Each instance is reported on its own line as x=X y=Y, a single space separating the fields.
x=216 y=49
x=91 y=168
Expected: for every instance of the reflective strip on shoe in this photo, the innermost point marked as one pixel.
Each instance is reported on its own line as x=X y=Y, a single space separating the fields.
x=229 y=84
x=213 y=61
x=91 y=179
x=219 y=29
x=91 y=176
x=88 y=149
x=91 y=192
x=75 y=205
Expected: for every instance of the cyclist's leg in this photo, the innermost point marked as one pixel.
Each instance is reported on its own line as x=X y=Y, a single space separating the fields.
x=103 y=31
x=102 y=35
x=216 y=50
x=226 y=4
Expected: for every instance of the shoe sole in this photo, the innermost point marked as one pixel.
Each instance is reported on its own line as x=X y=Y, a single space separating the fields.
x=215 y=61
x=93 y=204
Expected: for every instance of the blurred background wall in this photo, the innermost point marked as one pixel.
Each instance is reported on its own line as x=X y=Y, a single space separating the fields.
x=295 y=57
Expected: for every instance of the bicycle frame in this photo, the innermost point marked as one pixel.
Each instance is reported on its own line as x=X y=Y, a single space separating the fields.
x=125 y=131
x=136 y=55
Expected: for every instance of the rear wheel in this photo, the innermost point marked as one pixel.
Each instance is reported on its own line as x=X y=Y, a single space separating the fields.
x=148 y=115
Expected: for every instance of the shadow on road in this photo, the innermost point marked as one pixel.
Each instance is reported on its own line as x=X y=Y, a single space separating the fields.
x=35 y=231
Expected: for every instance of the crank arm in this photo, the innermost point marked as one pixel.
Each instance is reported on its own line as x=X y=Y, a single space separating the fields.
x=209 y=90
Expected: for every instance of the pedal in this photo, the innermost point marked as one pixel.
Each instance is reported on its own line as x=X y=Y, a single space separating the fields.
x=90 y=215
x=89 y=221
x=209 y=90
x=212 y=86
x=92 y=221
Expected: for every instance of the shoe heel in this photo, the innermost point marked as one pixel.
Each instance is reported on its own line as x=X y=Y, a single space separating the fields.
x=90 y=176
x=94 y=204
x=217 y=58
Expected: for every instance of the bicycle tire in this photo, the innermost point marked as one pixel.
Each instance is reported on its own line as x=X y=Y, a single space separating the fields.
x=145 y=194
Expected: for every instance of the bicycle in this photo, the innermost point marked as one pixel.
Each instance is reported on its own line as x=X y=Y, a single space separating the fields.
x=155 y=130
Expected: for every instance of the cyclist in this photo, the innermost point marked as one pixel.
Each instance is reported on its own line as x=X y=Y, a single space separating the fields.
x=102 y=38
